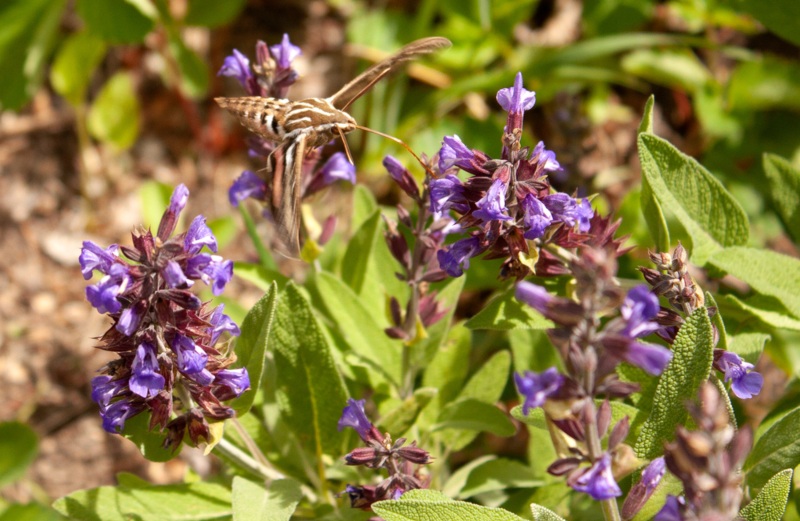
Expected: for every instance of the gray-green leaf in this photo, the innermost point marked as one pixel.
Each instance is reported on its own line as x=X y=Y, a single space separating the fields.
x=698 y=200
x=309 y=389
x=541 y=513
x=692 y=356
x=777 y=449
x=114 y=115
x=770 y=503
x=255 y=502
x=784 y=187
x=505 y=312
x=18 y=448
x=436 y=507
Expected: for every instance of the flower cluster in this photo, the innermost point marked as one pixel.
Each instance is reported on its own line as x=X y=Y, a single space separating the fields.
x=506 y=205
x=380 y=452
x=672 y=280
x=271 y=77
x=708 y=462
x=165 y=335
x=591 y=351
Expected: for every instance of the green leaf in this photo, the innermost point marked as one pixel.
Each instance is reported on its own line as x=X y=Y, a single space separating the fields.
x=149 y=442
x=768 y=311
x=402 y=417
x=770 y=503
x=212 y=13
x=749 y=345
x=72 y=69
x=777 y=449
x=698 y=200
x=18 y=448
x=678 y=68
x=358 y=325
x=764 y=83
x=258 y=275
x=488 y=475
x=473 y=415
x=435 y=507
x=447 y=372
x=532 y=350
x=253 y=502
x=187 y=502
x=116 y=21
x=779 y=16
x=784 y=188
x=194 y=72
x=251 y=346
x=28 y=29
x=29 y=512
x=505 y=312
x=309 y=389
x=767 y=272
x=692 y=355
x=646 y=125
x=364 y=206
x=359 y=252
x=114 y=116
x=541 y=513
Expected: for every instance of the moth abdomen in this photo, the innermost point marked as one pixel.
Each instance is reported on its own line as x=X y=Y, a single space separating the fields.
x=264 y=116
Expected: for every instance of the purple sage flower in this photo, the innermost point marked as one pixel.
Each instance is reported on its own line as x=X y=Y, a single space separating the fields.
x=584 y=215
x=672 y=509
x=492 y=207
x=536 y=217
x=237 y=380
x=533 y=295
x=650 y=357
x=447 y=192
x=145 y=379
x=517 y=98
x=598 y=481
x=93 y=257
x=285 y=52
x=454 y=153
x=639 y=310
x=338 y=168
x=103 y=295
x=563 y=207
x=174 y=276
x=247 y=185
x=105 y=388
x=191 y=357
x=652 y=474
x=237 y=66
x=211 y=269
x=220 y=322
x=199 y=235
x=536 y=388
x=353 y=415
x=117 y=413
x=129 y=320
x=546 y=158
x=456 y=259
x=745 y=383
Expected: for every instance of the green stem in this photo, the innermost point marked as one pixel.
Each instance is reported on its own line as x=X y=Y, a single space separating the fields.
x=264 y=256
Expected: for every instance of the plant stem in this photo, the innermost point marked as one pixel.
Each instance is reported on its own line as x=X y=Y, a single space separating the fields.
x=412 y=309
x=609 y=506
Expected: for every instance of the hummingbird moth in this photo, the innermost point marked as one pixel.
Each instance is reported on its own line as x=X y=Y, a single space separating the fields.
x=299 y=126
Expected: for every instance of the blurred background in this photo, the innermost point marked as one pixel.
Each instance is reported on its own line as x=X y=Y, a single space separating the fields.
x=107 y=104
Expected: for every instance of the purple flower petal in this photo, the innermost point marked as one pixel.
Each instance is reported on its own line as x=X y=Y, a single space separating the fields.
x=492 y=207
x=537 y=387
x=117 y=413
x=199 y=235
x=517 y=98
x=220 y=322
x=533 y=295
x=338 y=168
x=145 y=379
x=237 y=380
x=447 y=192
x=672 y=509
x=454 y=153
x=178 y=199
x=650 y=357
x=191 y=357
x=93 y=257
x=237 y=66
x=129 y=320
x=456 y=259
x=546 y=158
x=353 y=415
x=284 y=52
x=745 y=383
x=247 y=185
x=211 y=269
x=536 y=217
x=174 y=276
x=639 y=309
x=598 y=481
x=105 y=388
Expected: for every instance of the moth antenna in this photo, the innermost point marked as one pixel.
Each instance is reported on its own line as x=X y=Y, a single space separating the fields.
x=346 y=146
x=402 y=143
x=366 y=88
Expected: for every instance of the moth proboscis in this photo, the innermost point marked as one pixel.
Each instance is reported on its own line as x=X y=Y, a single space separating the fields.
x=300 y=126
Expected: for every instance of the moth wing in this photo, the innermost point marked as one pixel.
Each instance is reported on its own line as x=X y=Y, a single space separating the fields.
x=287 y=162
x=361 y=83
